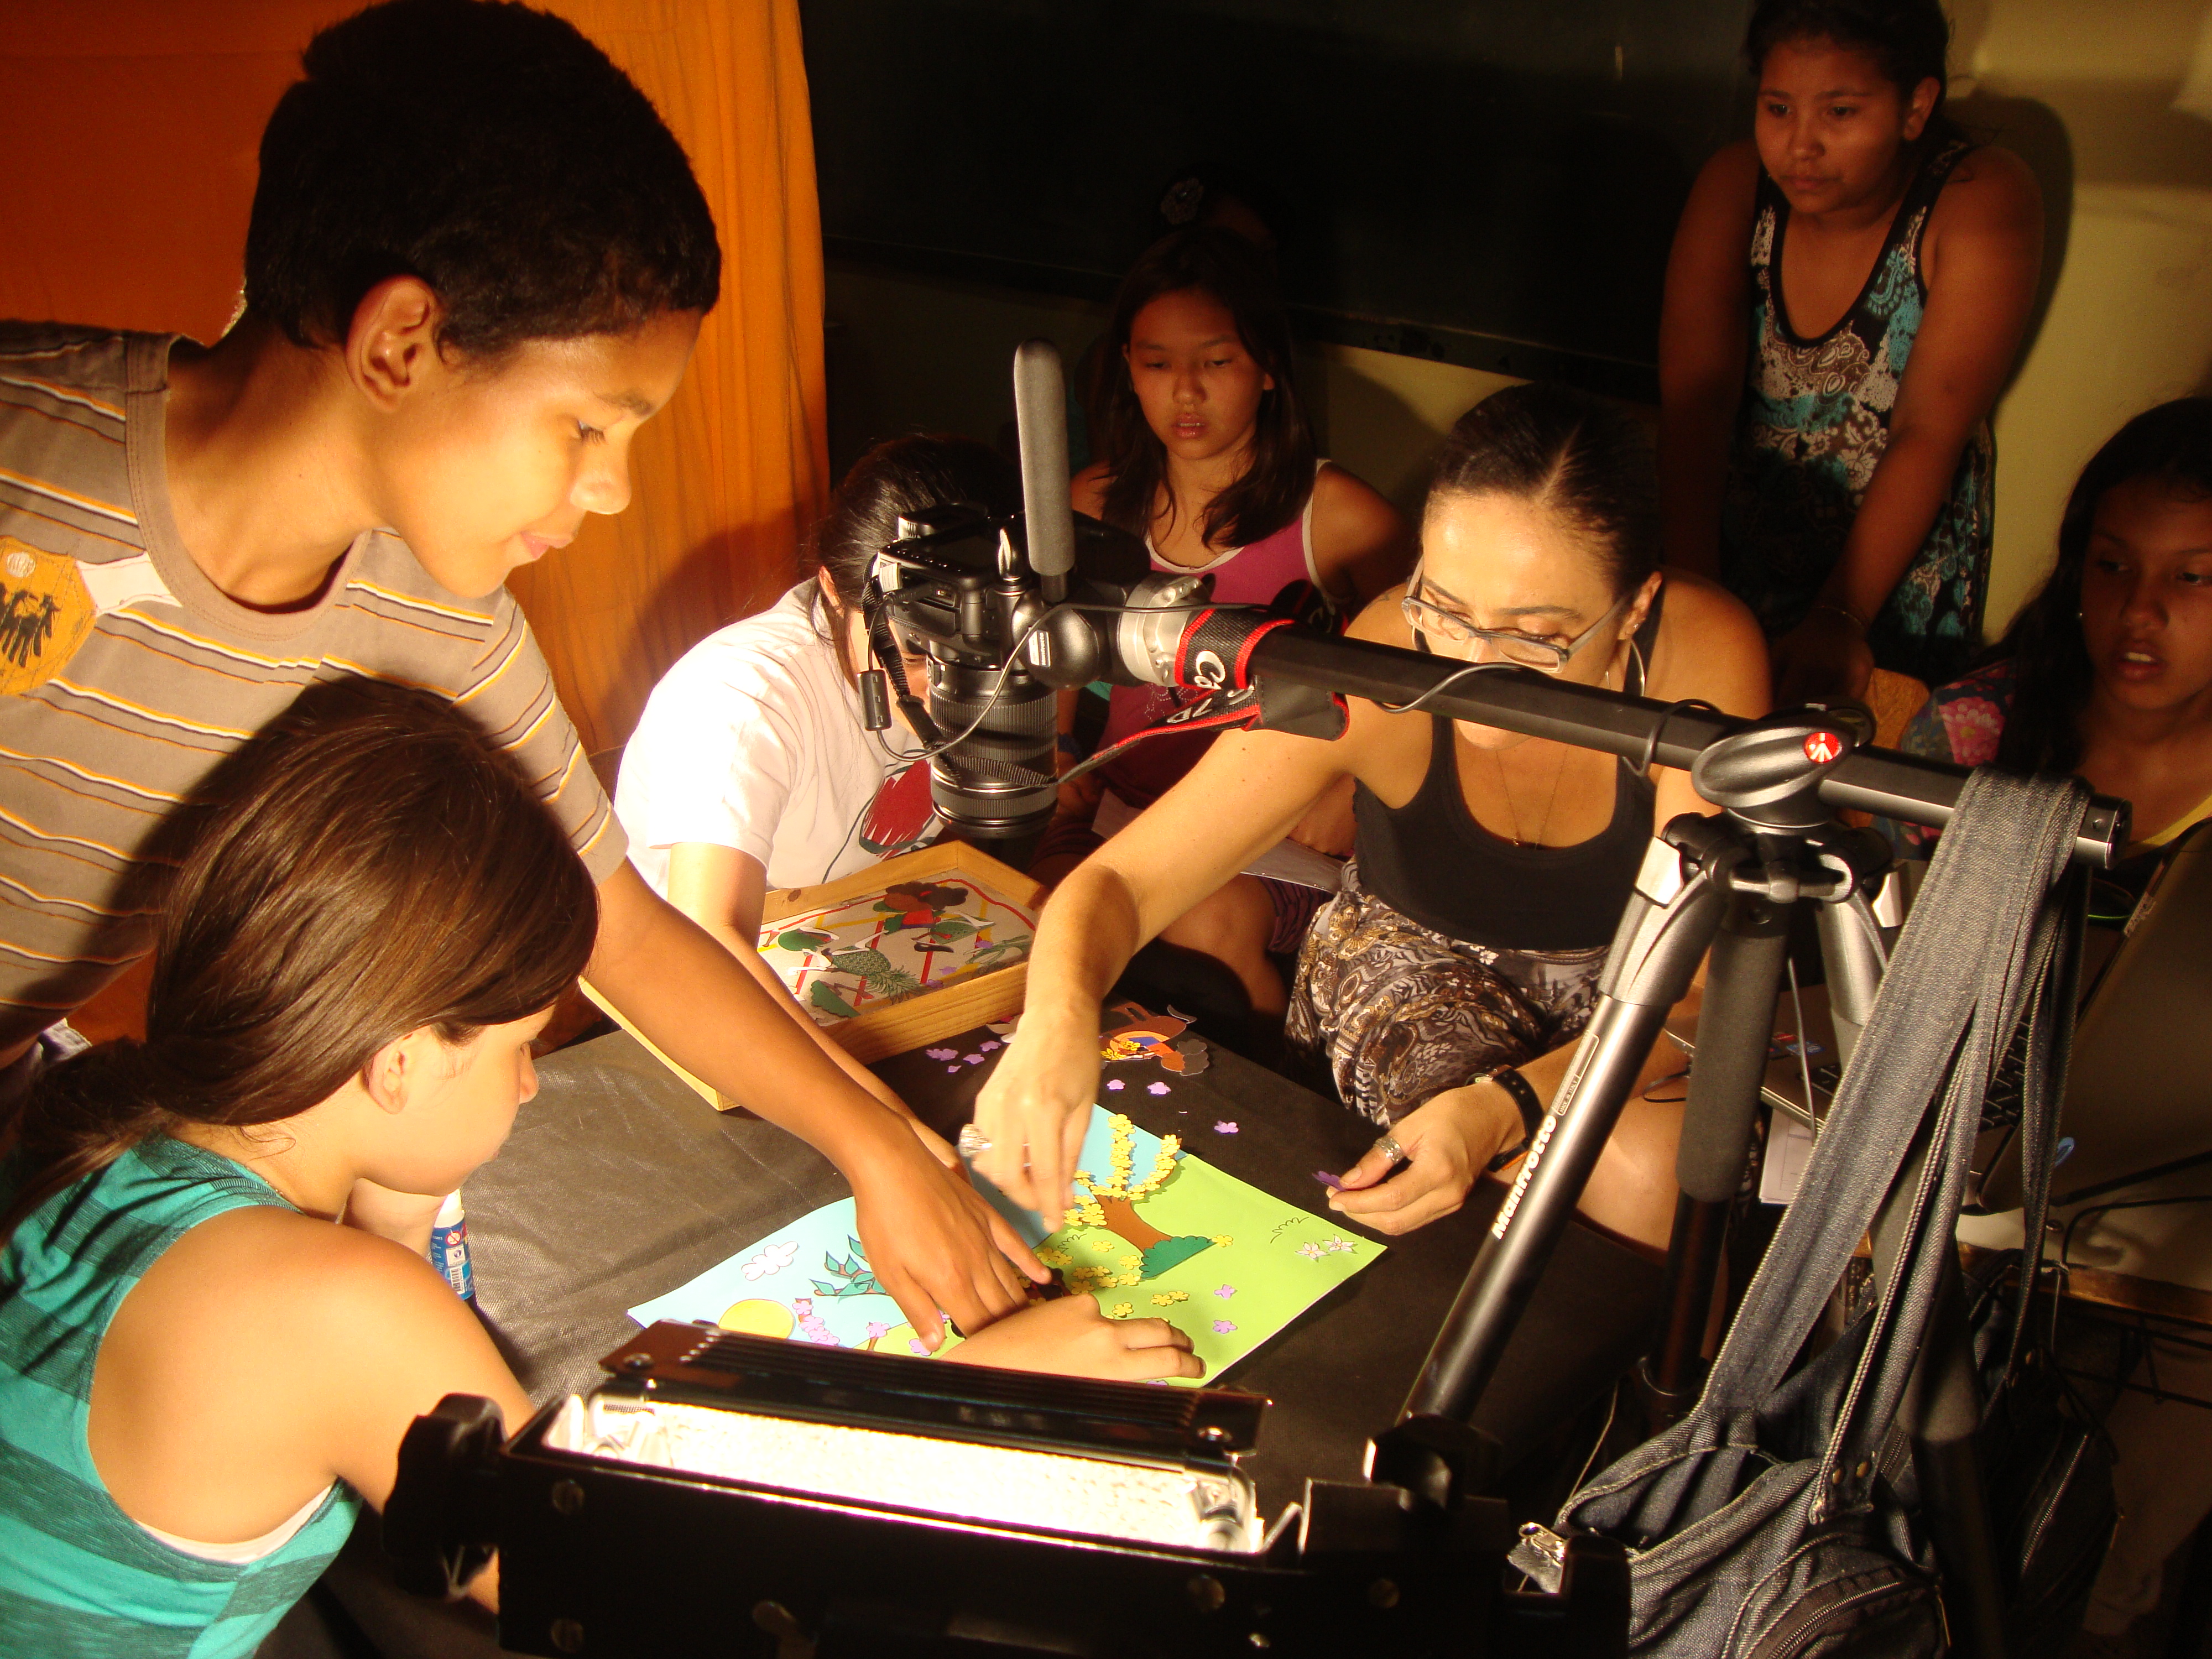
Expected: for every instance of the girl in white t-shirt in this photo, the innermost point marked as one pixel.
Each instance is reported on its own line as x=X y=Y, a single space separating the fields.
x=751 y=768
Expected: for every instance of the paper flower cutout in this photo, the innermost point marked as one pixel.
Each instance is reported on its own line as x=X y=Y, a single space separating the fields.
x=940 y=1054
x=772 y=1260
x=989 y=1044
x=1226 y=1292
x=1156 y=1088
x=1169 y=1298
x=1222 y=1326
x=973 y=1060
x=1225 y=1126
x=1114 y=1083
x=1120 y=1310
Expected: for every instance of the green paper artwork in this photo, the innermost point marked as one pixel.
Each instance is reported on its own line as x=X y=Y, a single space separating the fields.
x=1158 y=1234
x=1163 y=1234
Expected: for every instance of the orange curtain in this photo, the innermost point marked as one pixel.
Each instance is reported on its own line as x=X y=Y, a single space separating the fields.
x=132 y=128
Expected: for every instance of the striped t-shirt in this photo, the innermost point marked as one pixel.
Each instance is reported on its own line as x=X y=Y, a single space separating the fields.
x=126 y=674
x=79 y=1578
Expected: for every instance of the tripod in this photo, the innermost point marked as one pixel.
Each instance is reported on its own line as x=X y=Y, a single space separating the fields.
x=1729 y=883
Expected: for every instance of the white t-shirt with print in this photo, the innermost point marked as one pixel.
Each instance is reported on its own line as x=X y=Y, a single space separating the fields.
x=754 y=741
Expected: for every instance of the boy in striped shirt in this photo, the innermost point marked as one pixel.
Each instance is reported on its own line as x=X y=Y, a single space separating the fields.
x=477 y=263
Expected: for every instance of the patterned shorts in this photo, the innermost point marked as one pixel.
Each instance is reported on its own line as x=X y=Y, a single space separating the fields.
x=1398 y=1012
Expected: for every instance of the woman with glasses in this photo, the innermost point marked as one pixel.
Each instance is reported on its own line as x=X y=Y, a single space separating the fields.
x=1445 y=985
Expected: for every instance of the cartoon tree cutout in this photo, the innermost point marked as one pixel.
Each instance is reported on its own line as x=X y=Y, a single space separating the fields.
x=1112 y=1204
x=852 y=1276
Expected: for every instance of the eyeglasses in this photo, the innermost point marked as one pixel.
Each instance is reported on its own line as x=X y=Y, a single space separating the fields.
x=1524 y=650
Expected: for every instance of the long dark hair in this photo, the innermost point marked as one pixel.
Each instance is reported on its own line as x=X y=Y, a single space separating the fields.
x=2051 y=671
x=902 y=477
x=1586 y=461
x=1910 y=41
x=370 y=865
x=1224 y=266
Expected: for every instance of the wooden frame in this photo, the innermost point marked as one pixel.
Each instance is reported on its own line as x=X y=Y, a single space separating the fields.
x=933 y=1014
x=919 y=1019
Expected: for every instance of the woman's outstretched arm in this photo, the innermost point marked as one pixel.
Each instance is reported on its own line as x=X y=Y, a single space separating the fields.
x=1239 y=800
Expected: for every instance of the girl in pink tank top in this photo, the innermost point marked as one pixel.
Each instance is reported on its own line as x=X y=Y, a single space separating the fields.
x=1207 y=453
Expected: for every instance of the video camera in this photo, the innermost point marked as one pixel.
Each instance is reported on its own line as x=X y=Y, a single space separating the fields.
x=1007 y=612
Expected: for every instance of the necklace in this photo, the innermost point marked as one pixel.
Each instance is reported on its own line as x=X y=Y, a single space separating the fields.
x=1505 y=788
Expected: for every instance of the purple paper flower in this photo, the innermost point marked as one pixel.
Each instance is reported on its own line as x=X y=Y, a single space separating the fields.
x=1156 y=1088
x=1225 y=1128
x=973 y=1060
x=1226 y=1292
x=952 y=1068
x=989 y=1044
x=1222 y=1327
x=1113 y=1082
x=940 y=1054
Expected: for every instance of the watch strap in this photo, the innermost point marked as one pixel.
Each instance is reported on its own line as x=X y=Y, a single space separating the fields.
x=1532 y=1111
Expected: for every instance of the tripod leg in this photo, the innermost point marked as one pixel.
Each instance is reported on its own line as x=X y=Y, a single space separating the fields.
x=1941 y=1411
x=1734 y=1027
x=1670 y=920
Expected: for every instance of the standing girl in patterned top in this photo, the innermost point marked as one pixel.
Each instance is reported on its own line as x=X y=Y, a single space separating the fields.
x=1208 y=455
x=1832 y=460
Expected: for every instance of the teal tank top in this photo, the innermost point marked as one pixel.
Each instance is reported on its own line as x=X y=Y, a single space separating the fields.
x=77 y=1576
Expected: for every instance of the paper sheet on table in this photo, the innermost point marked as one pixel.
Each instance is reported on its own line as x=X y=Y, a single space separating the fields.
x=1213 y=1255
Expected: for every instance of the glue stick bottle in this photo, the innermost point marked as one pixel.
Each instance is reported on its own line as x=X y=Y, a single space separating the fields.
x=449 y=1247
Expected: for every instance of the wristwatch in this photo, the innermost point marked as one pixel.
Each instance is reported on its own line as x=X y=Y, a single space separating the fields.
x=1532 y=1111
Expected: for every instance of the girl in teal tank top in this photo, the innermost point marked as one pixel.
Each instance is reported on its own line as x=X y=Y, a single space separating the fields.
x=75 y=1571
x=202 y=1378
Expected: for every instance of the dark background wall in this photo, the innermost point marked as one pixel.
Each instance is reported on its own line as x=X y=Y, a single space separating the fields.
x=1491 y=182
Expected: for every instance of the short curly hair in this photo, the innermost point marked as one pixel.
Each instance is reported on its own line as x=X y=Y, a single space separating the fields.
x=490 y=150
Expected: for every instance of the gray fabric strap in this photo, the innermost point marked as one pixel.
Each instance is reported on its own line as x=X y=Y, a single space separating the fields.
x=1980 y=940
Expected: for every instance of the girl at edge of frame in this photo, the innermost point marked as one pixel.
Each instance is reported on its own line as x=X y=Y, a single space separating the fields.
x=2107 y=670
x=371 y=926
x=1833 y=461
x=1491 y=870
x=751 y=769
x=1206 y=454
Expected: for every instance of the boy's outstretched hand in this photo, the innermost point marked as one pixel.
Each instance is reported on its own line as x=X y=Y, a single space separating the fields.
x=1070 y=1337
x=936 y=1244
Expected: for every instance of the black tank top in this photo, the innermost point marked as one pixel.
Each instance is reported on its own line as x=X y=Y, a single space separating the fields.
x=1430 y=860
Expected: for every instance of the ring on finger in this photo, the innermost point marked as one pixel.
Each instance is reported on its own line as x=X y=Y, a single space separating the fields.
x=973 y=1142
x=1389 y=1148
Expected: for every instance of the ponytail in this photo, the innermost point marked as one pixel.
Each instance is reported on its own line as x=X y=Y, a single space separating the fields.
x=78 y=1118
